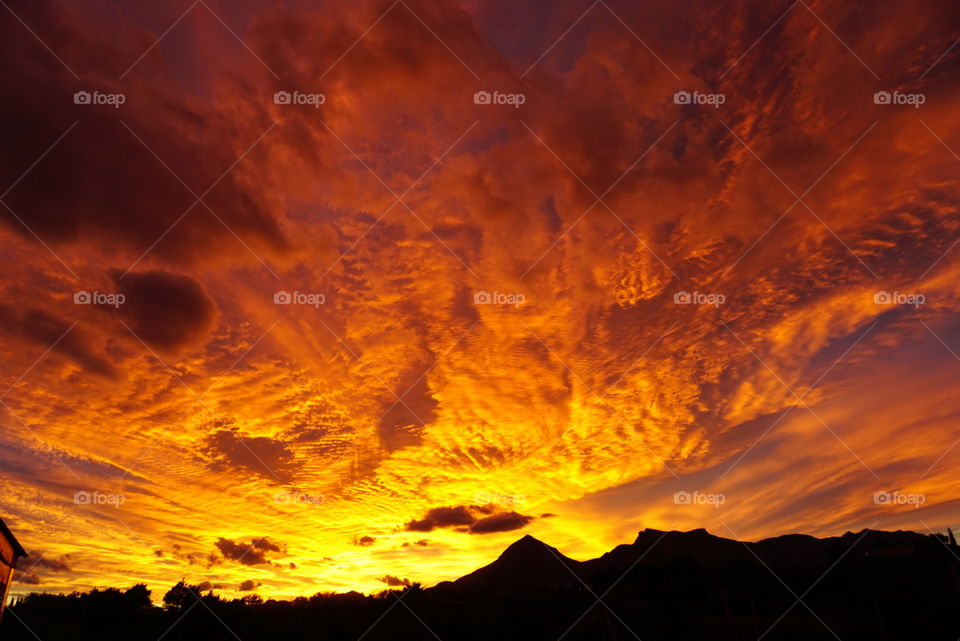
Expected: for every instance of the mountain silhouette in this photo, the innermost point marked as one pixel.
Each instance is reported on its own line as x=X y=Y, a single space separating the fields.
x=526 y=563
x=657 y=544
x=871 y=585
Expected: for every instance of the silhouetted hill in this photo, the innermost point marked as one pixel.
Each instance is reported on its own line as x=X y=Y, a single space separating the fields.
x=524 y=564
x=870 y=585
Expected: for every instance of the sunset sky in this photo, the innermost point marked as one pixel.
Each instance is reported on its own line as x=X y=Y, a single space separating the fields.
x=546 y=313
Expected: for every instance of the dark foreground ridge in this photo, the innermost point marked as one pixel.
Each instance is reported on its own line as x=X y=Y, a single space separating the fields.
x=665 y=585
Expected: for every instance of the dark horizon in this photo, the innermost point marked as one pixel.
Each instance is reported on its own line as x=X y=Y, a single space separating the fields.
x=524 y=542
x=865 y=585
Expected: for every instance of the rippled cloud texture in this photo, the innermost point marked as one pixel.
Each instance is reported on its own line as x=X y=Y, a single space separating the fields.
x=342 y=295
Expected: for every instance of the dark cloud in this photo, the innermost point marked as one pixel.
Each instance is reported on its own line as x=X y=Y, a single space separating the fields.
x=476 y=519
x=442 y=517
x=501 y=523
x=42 y=561
x=261 y=455
x=110 y=188
x=167 y=311
x=364 y=541
x=207 y=585
x=194 y=558
x=44 y=329
x=30 y=567
x=420 y=542
x=393 y=581
x=28 y=577
x=248 y=585
x=254 y=553
x=403 y=420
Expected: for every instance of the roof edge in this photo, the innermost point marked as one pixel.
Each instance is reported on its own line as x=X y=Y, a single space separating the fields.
x=17 y=548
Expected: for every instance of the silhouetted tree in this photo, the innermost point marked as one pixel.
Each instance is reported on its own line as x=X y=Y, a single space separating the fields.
x=138 y=596
x=181 y=596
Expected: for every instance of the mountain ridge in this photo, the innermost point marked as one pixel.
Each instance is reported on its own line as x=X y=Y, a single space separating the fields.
x=529 y=562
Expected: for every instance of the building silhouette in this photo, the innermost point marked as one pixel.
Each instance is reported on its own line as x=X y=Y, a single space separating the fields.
x=10 y=552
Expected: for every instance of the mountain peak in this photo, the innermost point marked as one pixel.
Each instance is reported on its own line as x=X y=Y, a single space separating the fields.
x=525 y=543
x=527 y=561
x=526 y=549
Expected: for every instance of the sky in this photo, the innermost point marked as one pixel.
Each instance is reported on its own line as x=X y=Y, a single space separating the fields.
x=302 y=297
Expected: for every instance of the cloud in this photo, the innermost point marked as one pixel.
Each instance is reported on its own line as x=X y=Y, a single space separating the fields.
x=112 y=189
x=254 y=553
x=206 y=586
x=30 y=568
x=261 y=455
x=404 y=419
x=473 y=519
x=364 y=541
x=248 y=585
x=28 y=577
x=419 y=542
x=442 y=517
x=167 y=311
x=42 y=328
x=503 y=522
x=393 y=581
